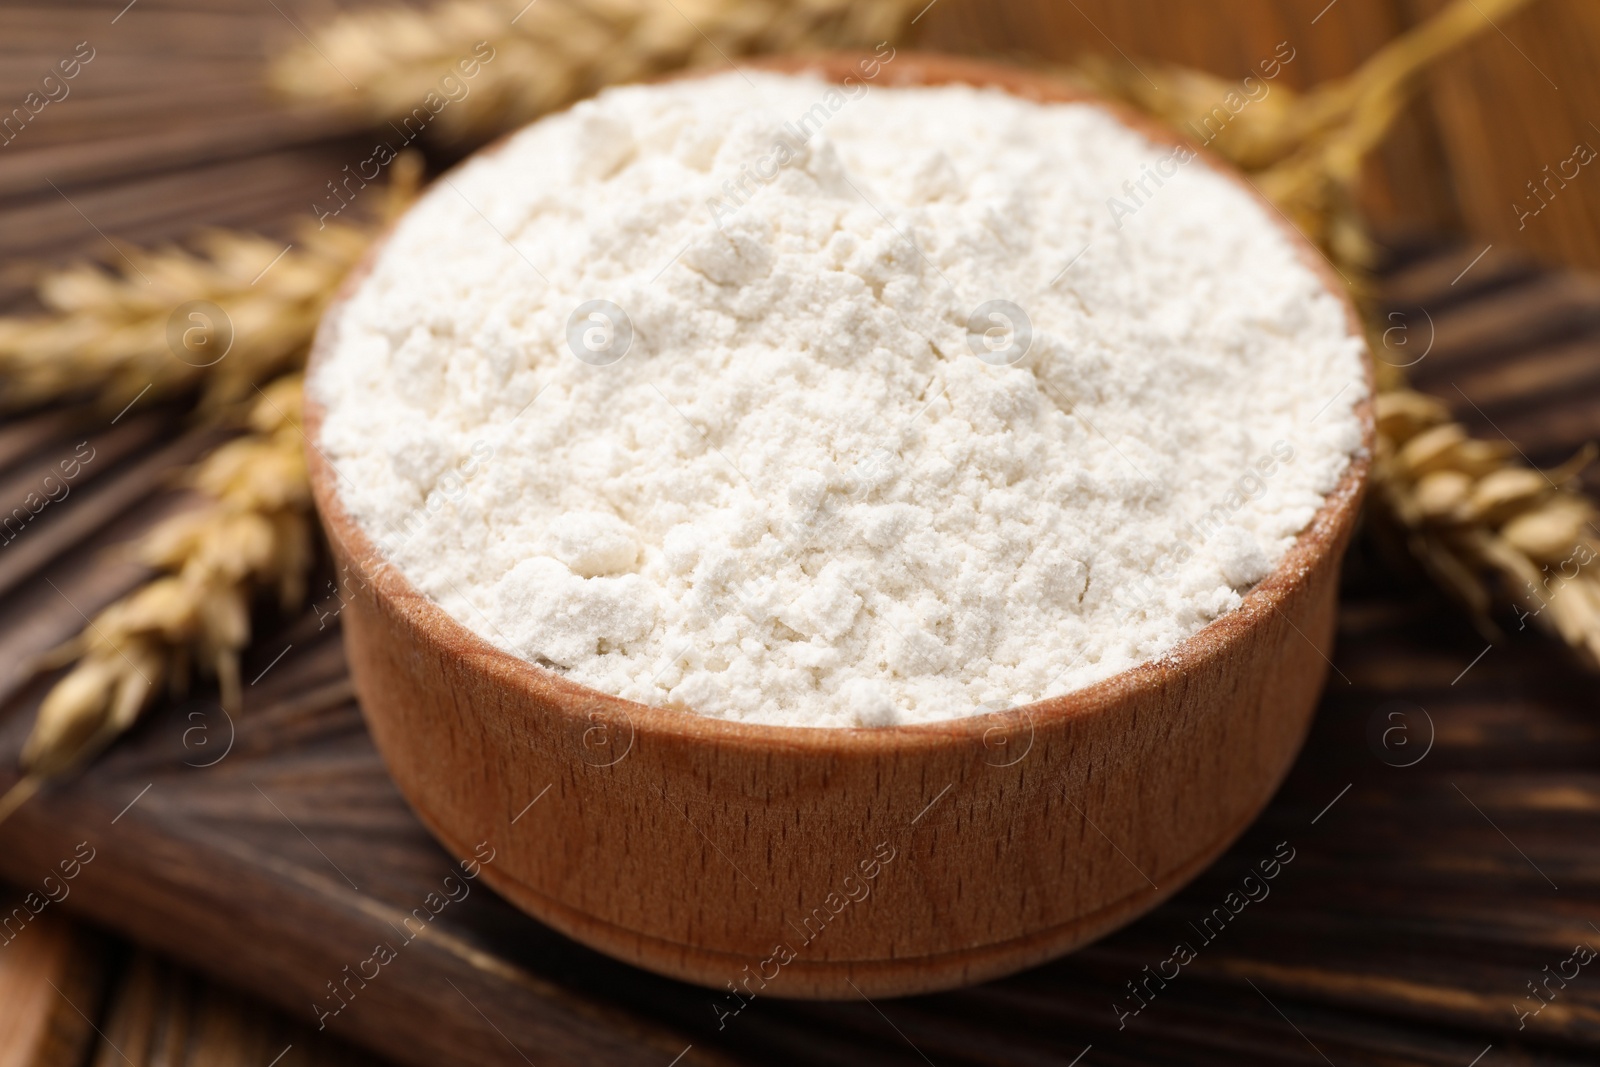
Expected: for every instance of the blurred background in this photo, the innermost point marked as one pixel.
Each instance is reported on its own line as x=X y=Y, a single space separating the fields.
x=169 y=126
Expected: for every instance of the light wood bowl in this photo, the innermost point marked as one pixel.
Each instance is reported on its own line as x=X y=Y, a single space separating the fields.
x=797 y=862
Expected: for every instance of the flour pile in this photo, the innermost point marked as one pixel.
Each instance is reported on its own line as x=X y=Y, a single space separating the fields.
x=832 y=407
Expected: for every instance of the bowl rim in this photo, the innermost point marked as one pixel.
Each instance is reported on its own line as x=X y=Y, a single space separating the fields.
x=588 y=706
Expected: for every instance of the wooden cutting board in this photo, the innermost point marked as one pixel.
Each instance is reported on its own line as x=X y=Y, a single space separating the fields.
x=272 y=851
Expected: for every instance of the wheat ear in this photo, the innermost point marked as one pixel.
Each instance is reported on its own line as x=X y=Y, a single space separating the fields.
x=1306 y=149
x=251 y=531
x=158 y=324
x=528 y=59
x=1478 y=519
x=236 y=309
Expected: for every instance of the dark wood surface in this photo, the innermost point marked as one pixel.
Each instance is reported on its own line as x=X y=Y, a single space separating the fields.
x=1406 y=929
x=1418 y=908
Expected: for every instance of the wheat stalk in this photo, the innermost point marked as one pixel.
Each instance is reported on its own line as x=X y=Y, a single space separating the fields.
x=236 y=310
x=1478 y=519
x=252 y=531
x=109 y=332
x=1474 y=518
x=1306 y=149
x=528 y=59
x=1469 y=511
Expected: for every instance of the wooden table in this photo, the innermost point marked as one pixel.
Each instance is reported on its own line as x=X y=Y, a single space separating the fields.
x=1420 y=902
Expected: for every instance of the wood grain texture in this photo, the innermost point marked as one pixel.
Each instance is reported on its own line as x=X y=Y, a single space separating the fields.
x=1407 y=183
x=51 y=977
x=1404 y=931
x=1518 y=100
x=169 y=127
x=162 y=1015
x=1512 y=349
x=1515 y=100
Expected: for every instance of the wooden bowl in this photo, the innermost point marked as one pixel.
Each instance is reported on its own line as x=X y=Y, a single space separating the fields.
x=796 y=862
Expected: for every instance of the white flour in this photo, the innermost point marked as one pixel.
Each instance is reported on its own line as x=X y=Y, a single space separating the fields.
x=799 y=496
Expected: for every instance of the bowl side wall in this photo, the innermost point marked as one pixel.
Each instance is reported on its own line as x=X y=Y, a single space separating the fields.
x=900 y=871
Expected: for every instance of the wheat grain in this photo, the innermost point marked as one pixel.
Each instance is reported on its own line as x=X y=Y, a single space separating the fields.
x=236 y=309
x=1466 y=509
x=109 y=331
x=545 y=55
x=251 y=531
x=1478 y=520
x=1306 y=149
